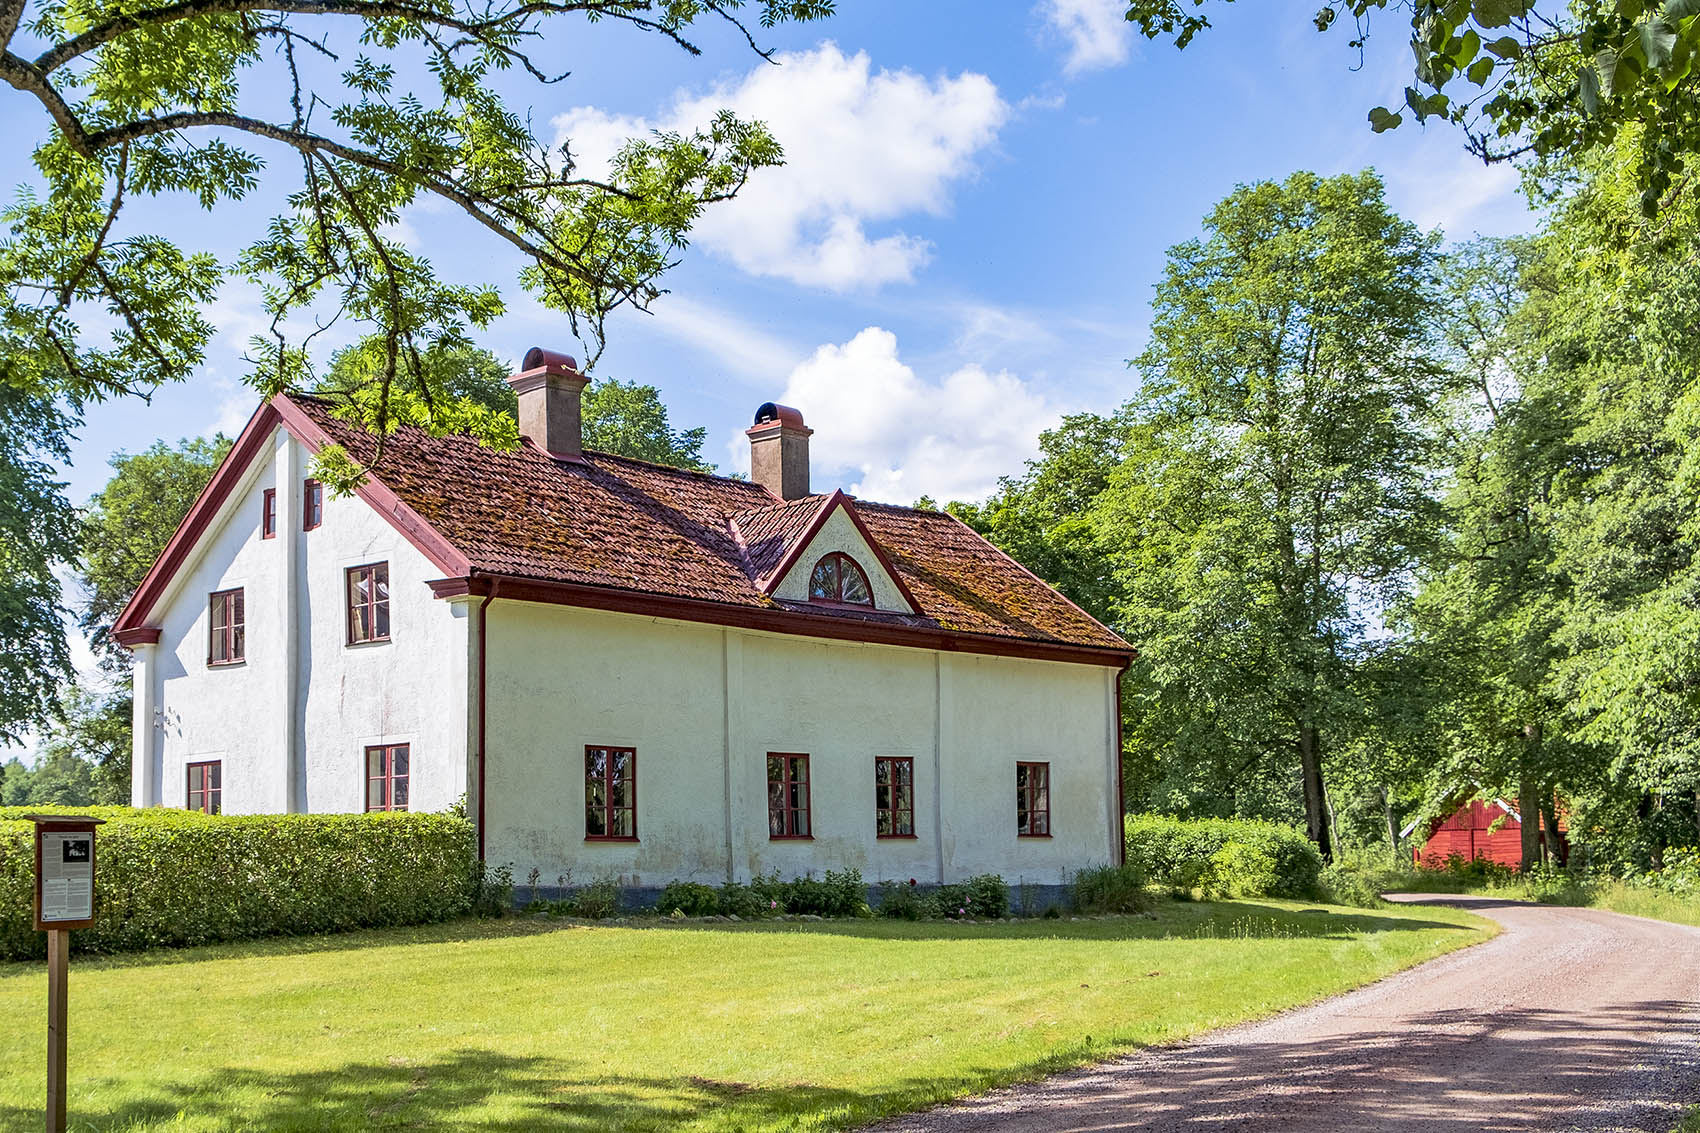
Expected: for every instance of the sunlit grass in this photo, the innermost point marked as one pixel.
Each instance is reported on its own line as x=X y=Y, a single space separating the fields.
x=525 y=1025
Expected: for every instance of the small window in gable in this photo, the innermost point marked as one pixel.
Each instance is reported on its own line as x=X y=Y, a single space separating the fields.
x=312 y=504
x=368 y=603
x=227 y=636
x=268 y=514
x=837 y=578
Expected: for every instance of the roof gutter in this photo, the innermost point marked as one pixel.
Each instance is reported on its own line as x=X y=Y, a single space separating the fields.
x=483 y=700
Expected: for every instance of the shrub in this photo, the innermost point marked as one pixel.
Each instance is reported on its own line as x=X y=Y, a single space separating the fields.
x=741 y=901
x=177 y=878
x=1181 y=854
x=1241 y=870
x=837 y=894
x=688 y=899
x=770 y=894
x=1111 y=889
x=985 y=897
x=596 y=901
x=905 y=901
x=1344 y=885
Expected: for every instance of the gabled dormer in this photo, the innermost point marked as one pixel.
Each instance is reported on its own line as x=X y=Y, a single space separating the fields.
x=816 y=551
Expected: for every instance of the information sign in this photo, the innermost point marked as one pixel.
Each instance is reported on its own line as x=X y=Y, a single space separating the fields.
x=64 y=873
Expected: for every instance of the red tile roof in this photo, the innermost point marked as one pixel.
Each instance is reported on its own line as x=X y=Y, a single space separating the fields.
x=616 y=522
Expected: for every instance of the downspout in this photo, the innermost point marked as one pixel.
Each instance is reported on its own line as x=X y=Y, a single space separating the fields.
x=1121 y=788
x=483 y=652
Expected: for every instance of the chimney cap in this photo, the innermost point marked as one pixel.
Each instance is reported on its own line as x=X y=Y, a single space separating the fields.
x=768 y=413
x=538 y=358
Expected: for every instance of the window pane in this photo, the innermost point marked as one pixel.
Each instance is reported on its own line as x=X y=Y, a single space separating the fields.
x=882 y=771
x=398 y=794
x=595 y=763
x=236 y=607
x=383 y=620
x=854 y=589
x=619 y=793
x=882 y=797
x=823 y=583
x=374 y=794
x=800 y=769
x=237 y=644
x=622 y=764
x=800 y=824
x=905 y=772
x=215 y=775
x=622 y=824
x=381 y=582
x=884 y=825
x=214 y=805
x=374 y=762
x=595 y=794
x=219 y=611
x=398 y=761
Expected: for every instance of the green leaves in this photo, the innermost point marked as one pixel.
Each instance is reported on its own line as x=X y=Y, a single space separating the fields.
x=193 y=103
x=1381 y=120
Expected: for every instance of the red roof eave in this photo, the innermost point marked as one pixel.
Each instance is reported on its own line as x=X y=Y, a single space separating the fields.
x=773 y=619
x=131 y=628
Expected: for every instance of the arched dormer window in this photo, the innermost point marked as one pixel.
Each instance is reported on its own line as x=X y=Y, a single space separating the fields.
x=837 y=578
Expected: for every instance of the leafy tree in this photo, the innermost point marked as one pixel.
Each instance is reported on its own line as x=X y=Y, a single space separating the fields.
x=93 y=730
x=187 y=101
x=37 y=530
x=1276 y=488
x=624 y=418
x=1042 y=518
x=128 y=524
x=1560 y=80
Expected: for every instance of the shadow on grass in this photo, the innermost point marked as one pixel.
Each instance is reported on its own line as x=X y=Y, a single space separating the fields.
x=469 y=1089
x=1238 y=919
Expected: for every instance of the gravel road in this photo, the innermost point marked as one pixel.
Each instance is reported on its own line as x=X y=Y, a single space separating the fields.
x=1570 y=1019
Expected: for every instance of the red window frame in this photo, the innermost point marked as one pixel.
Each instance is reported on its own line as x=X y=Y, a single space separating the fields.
x=894 y=796
x=1033 y=799
x=206 y=786
x=610 y=793
x=268 y=513
x=227 y=643
x=382 y=778
x=312 y=504
x=841 y=562
x=370 y=612
x=788 y=813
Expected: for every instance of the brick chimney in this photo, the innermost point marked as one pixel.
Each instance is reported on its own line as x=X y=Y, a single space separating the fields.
x=779 y=451
x=549 y=385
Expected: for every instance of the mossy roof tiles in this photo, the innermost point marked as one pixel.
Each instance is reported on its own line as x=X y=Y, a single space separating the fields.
x=611 y=521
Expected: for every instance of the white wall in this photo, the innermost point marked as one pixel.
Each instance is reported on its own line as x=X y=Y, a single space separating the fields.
x=254 y=717
x=703 y=706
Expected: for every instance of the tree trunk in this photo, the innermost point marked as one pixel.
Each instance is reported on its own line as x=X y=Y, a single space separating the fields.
x=1529 y=800
x=1392 y=823
x=1553 y=845
x=1316 y=807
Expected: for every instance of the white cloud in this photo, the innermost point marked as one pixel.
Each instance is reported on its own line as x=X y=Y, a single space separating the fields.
x=897 y=436
x=742 y=348
x=1096 y=32
x=862 y=147
x=1456 y=192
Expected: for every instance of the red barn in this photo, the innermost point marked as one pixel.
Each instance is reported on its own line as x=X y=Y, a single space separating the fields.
x=1491 y=830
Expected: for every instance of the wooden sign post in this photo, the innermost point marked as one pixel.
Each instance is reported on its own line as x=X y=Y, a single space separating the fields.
x=64 y=900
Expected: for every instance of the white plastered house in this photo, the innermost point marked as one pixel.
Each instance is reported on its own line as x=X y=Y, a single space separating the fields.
x=622 y=668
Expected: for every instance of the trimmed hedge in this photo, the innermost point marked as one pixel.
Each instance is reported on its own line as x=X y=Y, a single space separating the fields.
x=1225 y=856
x=177 y=878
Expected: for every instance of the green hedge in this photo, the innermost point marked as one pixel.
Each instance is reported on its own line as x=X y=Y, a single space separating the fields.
x=1226 y=856
x=176 y=878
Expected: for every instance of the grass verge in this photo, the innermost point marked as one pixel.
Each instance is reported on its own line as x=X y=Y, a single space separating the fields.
x=524 y=1024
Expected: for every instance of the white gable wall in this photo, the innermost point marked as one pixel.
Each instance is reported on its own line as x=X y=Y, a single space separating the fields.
x=839 y=533
x=294 y=744
x=704 y=705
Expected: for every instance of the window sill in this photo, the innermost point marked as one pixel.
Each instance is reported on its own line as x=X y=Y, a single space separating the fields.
x=367 y=641
x=227 y=664
x=610 y=838
x=790 y=837
x=1032 y=835
x=896 y=837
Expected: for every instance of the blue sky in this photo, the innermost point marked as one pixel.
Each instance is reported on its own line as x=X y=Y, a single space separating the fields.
x=961 y=248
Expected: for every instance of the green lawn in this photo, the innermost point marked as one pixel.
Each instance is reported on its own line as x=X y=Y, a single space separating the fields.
x=525 y=1024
